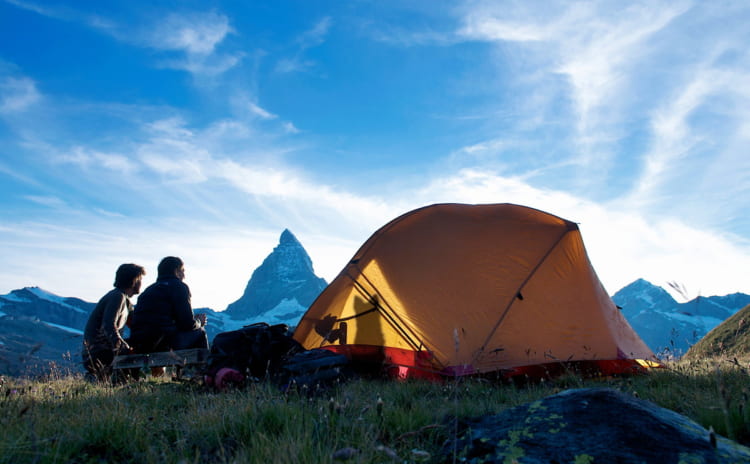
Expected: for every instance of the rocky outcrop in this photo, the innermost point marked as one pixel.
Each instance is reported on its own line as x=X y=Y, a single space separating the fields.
x=589 y=426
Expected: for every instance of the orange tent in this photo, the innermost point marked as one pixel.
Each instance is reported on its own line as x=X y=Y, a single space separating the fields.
x=453 y=289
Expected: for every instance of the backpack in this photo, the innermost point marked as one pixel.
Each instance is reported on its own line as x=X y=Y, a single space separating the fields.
x=255 y=351
x=314 y=368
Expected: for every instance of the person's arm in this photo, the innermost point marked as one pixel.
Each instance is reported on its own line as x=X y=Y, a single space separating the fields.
x=113 y=320
x=184 y=317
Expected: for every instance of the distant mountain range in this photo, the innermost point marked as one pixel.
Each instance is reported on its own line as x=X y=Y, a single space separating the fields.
x=39 y=329
x=669 y=328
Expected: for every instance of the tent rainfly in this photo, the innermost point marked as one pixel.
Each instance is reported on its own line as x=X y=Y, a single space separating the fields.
x=455 y=289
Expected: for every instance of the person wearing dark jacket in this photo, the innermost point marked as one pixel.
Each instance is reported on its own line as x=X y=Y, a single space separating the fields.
x=102 y=338
x=163 y=319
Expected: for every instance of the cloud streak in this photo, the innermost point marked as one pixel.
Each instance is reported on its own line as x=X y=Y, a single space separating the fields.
x=306 y=40
x=597 y=48
x=17 y=94
x=194 y=36
x=193 y=33
x=86 y=158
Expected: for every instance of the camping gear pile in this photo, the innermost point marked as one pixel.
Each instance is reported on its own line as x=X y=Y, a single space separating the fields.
x=268 y=352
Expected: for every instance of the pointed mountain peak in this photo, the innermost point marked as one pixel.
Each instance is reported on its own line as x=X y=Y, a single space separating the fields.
x=644 y=287
x=288 y=238
x=286 y=273
x=640 y=284
x=641 y=294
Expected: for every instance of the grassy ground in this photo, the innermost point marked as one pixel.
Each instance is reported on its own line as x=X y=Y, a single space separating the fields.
x=65 y=419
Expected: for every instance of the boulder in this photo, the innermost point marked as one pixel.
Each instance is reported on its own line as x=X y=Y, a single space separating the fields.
x=591 y=425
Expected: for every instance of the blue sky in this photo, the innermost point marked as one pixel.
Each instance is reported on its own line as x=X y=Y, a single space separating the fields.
x=134 y=130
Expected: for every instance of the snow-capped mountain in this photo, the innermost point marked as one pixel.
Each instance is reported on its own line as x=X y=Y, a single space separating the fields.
x=280 y=290
x=39 y=330
x=669 y=327
x=34 y=302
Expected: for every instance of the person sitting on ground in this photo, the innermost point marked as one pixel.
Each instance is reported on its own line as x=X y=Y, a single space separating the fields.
x=102 y=338
x=163 y=319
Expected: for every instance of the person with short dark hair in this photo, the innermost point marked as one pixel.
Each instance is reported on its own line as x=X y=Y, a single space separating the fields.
x=163 y=319
x=102 y=338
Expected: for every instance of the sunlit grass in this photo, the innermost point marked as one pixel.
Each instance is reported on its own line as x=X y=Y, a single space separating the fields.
x=66 y=419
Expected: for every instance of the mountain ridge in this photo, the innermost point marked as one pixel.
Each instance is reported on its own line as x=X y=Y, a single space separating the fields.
x=668 y=327
x=40 y=327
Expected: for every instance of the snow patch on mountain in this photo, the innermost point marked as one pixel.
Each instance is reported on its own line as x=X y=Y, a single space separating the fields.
x=288 y=311
x=65 y=328
x=22 y=297
x=13 y=296
x=707 y=322
x=51 y=297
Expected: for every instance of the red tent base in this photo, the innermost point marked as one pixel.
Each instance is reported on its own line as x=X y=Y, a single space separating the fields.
x=583 y=368
x=390 y=362
x=402 y=364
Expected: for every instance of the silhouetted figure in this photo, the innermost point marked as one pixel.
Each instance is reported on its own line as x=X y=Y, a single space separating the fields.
x=102 y=338
x=163 y=319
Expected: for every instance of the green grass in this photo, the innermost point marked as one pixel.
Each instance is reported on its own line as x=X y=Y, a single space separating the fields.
x=66 y=419
x=728 y=339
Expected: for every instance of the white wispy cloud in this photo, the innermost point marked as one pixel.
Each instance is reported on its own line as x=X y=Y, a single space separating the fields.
x=600 y=54
x=19 y=175
x=483 y=25
x=64 y=13
x=17 y=94
x=196 y=36
x=49 y=201
x=290 y=128
x=491 y=147
x=311 y=38
x=193 y=33
x=705 y=112
x=88 y=158
x=255 y=109
x=36 y=8
x=247 y=112
x=293 y=64
x=229 y=152
x=203 y=65
x=173 y=152
x=626 y=79
x=316 y=35
x=597 y=47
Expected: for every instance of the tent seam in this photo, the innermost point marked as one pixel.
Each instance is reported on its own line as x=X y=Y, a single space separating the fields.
x=570 y=227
